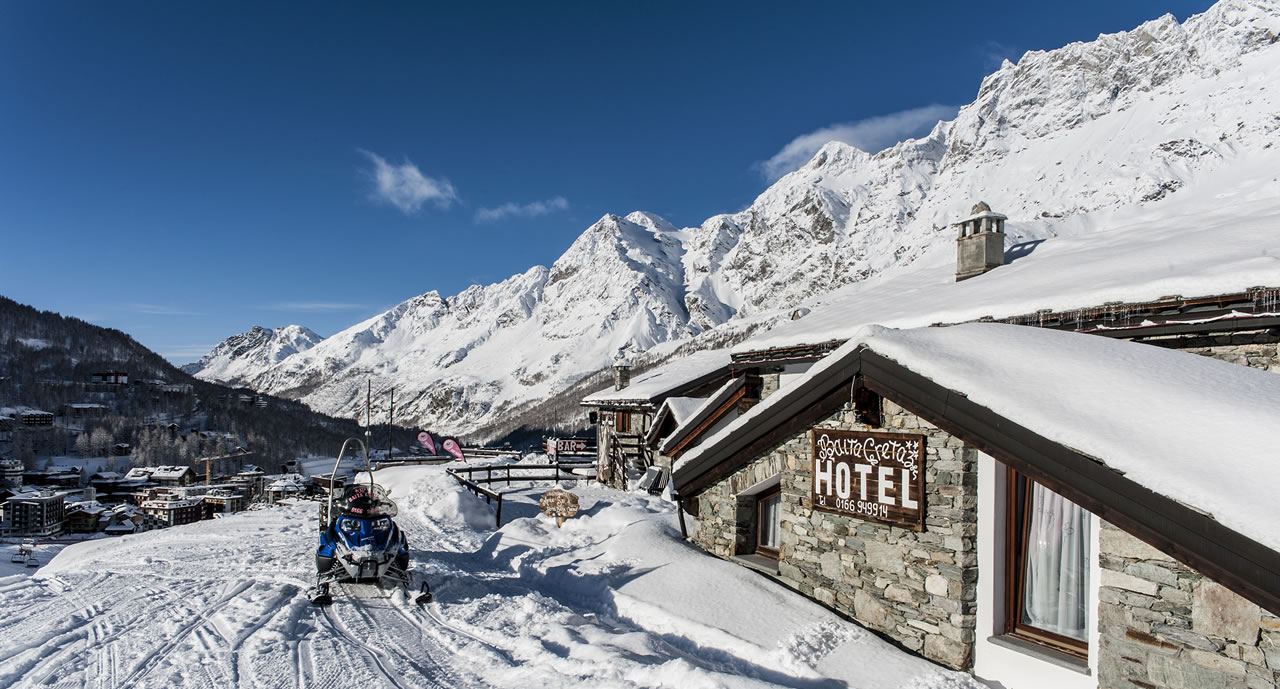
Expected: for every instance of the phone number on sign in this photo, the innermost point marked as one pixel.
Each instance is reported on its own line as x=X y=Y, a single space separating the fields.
x=871 y=509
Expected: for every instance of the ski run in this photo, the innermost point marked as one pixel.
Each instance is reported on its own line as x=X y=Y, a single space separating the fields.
x=609 y=600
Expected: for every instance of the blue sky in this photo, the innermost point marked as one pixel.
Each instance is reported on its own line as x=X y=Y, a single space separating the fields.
x=185 y=172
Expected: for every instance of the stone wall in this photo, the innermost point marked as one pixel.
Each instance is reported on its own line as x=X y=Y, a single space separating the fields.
x=769 y=383
x=1165 y=625
x=1254 y=349
x=918 y=588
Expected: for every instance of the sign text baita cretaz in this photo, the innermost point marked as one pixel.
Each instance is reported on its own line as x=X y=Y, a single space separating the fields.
x=871 y=476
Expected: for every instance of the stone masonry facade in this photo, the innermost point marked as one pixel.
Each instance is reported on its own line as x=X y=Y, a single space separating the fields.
x=1257 y=349
x=917 y=588
x=1165 y=625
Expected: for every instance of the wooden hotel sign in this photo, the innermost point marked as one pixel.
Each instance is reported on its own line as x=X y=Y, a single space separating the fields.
x=872 y=476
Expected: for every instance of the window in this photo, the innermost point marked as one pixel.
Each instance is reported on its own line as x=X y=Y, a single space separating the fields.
x=622 y=422
x=768 y=521
x=1047 y=567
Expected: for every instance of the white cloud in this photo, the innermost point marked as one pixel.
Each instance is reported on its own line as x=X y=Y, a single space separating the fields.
x=994 y=54
x=160 y=310
x=528 y=210
x=314 y=307
x=872 y=135
x=185 y=352
x=405 y=187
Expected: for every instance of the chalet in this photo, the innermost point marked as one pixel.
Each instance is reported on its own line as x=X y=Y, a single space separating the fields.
x=682 y=422
x=175 y=511
x=83 y=517
x=913 y=477
x=625 y=413
x=121 y=520
x=1032 y=517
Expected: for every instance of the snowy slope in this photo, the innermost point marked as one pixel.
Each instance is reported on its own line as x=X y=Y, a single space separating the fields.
x=613 y=599
x=1065 y=142
x=236 y=359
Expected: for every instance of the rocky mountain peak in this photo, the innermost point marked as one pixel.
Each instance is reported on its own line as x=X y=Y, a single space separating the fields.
x=1056 y=141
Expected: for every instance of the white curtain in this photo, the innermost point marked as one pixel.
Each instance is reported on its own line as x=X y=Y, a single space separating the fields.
x=770 y=512
x=1056 y=588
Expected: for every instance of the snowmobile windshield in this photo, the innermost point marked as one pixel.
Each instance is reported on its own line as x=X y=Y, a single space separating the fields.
x=364 y=500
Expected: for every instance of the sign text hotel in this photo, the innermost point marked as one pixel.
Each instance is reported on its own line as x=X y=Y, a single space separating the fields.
x=872 y=476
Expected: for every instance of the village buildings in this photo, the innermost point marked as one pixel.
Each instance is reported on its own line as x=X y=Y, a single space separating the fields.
x=626 y=413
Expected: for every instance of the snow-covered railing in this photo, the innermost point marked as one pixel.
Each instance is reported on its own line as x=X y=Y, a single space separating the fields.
x=479 y=490
x=490 y=452
x=495 y=473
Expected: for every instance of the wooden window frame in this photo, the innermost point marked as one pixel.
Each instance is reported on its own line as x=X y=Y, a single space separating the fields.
x=763 y=550
x=1017 y=531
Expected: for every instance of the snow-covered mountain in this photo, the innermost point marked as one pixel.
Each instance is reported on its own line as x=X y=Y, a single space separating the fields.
x=237 y=359
x=1058 y=142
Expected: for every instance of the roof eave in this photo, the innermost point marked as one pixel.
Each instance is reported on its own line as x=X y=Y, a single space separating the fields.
x=1193 y=538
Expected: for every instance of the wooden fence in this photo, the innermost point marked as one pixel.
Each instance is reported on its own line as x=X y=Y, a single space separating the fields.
x=567 y=468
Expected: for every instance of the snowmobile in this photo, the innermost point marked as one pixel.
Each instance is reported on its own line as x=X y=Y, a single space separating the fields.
x=359 y=540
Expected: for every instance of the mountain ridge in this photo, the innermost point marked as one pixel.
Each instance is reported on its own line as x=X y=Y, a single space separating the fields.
x=1056 y=141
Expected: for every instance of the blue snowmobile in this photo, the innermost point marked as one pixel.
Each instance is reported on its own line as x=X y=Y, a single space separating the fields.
x=359 y=541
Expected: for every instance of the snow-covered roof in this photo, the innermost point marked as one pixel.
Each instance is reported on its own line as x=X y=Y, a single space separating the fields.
x=657 y=382
x=170 y=472
x=140 y=473
x=675 y=408
x=291 y=482
x=1118 y=401
x=701 y=413
x=1113 y=400
x=682 y=407
x=19 y=411
x=163 y=504
x=1208 y=250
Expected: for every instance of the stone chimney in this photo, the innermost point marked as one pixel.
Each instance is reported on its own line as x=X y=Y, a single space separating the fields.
x=621 y=371
x=980 y=246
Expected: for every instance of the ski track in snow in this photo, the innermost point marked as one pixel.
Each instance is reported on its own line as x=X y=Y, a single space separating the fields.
x=208 y=618
x=224 y=603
